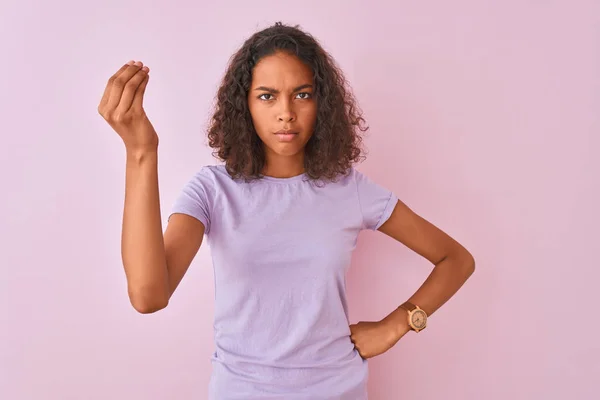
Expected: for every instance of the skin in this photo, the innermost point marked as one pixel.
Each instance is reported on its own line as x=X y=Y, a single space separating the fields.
x=155 y=263
x=452 y=266
x=281 y=97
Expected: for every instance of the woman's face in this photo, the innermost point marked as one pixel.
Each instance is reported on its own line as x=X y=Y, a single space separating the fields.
x=281 y=104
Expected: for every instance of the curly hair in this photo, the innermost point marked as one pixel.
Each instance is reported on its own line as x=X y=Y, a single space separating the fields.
x=336 y=142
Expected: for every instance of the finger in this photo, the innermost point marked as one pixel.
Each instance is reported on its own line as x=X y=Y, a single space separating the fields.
x=108 y=87
x=120 y=83
x=138 y=99
x=130 y=90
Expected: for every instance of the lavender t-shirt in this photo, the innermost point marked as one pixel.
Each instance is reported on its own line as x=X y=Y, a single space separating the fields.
x=280 y=250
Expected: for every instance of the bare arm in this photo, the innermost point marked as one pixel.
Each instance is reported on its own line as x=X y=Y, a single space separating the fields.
x=453 y=264
x=154 y=264
x=183 y=239
x=142 y=244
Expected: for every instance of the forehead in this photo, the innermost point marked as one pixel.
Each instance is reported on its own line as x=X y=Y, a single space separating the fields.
x=281 y=70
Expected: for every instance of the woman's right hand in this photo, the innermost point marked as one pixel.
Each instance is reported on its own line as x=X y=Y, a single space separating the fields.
x=122 y=107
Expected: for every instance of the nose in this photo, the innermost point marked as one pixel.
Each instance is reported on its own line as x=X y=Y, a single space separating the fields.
x=286 y=113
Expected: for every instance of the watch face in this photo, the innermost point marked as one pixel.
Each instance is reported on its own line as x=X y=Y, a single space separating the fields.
x=419 y=319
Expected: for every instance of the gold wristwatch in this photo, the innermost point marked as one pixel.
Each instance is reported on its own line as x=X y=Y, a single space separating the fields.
x=417 y=318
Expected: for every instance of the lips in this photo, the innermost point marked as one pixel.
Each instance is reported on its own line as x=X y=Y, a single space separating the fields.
x=285 y=135
x=286 y=132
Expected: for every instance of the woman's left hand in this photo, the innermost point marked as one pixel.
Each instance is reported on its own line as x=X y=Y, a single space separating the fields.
x=374 y=338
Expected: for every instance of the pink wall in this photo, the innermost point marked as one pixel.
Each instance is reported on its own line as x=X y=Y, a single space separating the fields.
x=484 y=119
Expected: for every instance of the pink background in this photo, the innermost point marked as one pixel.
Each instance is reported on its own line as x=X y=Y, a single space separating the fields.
x=484 y=118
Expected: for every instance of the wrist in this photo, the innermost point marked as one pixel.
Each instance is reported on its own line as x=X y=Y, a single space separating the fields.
x=397 y=323
x=140 y=155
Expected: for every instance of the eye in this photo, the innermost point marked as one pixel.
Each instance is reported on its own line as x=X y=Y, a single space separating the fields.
x=261 y=97
x=305 y=94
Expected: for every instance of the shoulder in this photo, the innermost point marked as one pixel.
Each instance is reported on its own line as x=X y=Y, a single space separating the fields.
x=203 y=182
x=357 y=179
x=210 y=170
x=364 y=181
x=215 y=180
x=211 y=174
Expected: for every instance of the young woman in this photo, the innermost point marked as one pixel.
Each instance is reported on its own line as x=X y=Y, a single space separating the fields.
x=281 y=216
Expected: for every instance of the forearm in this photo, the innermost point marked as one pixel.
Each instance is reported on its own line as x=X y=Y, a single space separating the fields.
x=446 y=278
x=142 y=245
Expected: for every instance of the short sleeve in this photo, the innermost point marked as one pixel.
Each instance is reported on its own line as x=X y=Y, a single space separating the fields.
x=196 y=197
x=375 y=201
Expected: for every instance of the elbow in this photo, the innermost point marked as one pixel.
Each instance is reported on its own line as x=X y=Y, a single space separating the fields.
x=148 y=308
x=148 y=303
x=469 y=265
x=463 y=263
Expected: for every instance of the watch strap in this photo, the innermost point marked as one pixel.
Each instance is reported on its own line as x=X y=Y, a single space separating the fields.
x=408 y=306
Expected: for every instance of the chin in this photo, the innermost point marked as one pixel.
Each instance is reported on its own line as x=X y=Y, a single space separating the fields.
x=286 y=150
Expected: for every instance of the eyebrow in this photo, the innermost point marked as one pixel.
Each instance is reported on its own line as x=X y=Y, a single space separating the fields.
x=275 y=91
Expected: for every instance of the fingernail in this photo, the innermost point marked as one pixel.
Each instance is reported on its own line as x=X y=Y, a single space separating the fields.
x=131 y=62
x=138 y=63
x=146 y=69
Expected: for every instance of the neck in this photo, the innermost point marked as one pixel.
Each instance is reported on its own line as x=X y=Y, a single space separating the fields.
x=284 y=166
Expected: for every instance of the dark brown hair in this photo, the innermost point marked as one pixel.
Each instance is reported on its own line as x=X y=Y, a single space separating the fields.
x=336 y=142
